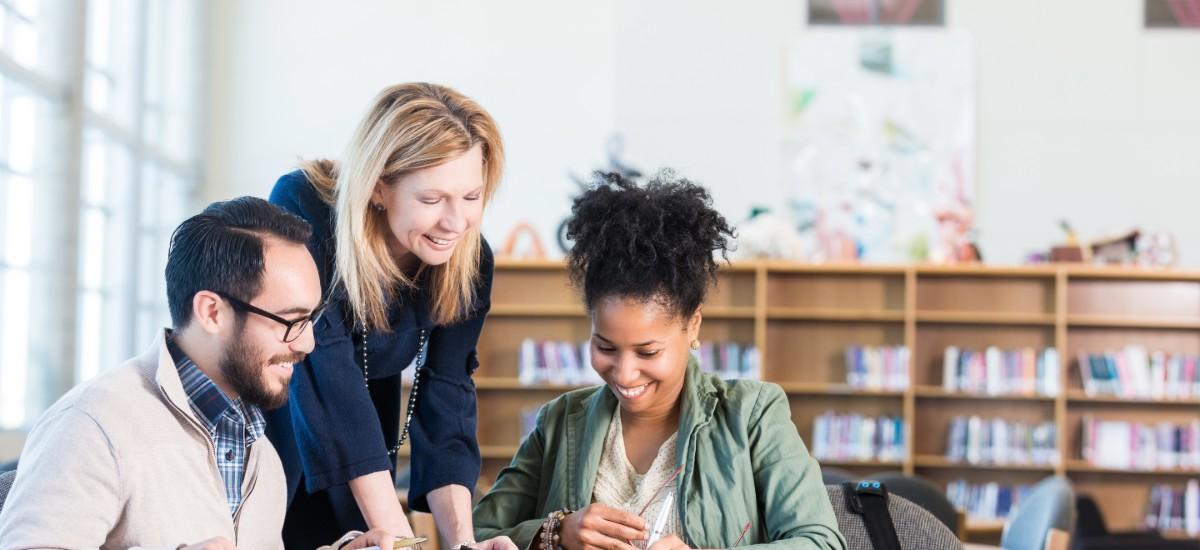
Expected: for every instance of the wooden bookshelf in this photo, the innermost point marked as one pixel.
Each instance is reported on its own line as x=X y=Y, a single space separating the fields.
x=1081 y=466
x=939 y=461
x=821 y=388
x=830 y=314
x=936 y=392
x=876 y=465
x=488 y=452
x=985 y=318
x=802 y=317
x=1079 y=397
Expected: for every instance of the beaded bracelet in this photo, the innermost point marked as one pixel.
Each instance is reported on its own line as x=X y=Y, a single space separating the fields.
x=551 y=529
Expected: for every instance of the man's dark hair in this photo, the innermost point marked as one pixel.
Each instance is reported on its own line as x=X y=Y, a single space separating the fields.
x=646 y=242
x=221 y=250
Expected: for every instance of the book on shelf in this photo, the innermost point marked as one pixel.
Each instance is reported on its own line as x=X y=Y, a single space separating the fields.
x=730 y=360
x=981 y=441
x=994 y=371
x=877 y=367
x=555 y=362
x=1135 y=372
x=854 y=437
x=1124 y=445
x=1175 y=508
x=986 y=501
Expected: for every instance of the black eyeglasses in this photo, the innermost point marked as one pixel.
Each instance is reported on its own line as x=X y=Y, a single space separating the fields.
x=294 y=328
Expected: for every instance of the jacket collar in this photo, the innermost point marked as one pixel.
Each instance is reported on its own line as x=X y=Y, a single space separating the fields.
x=699 y=401
x=166 y=375
x=587 y=427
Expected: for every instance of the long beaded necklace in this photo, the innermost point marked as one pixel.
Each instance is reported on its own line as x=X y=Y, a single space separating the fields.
x=419 y=361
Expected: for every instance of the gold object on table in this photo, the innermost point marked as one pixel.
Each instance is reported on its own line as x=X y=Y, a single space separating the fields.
x=408 y=542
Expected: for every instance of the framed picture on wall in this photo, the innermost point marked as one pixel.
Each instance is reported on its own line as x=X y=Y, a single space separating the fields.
x=1172 y=14
x=876 y=12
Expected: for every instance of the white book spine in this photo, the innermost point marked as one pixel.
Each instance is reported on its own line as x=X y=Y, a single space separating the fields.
x=950 y=381
x=1191 y=507
x=1052 y=372
x=995 y=367
x=527 y=370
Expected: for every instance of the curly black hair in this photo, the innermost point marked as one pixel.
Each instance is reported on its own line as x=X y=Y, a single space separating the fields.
x=646 y=242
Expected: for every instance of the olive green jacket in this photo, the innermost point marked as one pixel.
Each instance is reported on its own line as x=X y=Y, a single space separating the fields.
x=743 y=461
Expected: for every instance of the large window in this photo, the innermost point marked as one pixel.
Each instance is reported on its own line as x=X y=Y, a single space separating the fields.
x=99 y=119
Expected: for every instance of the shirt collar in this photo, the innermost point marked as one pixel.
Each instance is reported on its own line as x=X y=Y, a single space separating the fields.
x=207 y=399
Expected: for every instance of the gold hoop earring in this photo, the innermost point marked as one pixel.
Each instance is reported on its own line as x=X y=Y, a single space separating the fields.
x=695 y=344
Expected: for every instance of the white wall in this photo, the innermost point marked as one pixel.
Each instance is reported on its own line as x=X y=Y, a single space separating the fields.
x=1081 y=113
x=291 y=79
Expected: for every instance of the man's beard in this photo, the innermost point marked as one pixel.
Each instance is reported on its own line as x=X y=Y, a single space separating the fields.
x=242 y=369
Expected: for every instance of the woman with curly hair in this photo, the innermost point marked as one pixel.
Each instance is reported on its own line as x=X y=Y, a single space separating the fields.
x=662 y=455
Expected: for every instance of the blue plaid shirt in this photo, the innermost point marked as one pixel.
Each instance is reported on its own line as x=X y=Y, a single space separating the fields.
x=232 y=425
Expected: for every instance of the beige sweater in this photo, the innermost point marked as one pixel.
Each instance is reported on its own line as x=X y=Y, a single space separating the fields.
x=122 y=462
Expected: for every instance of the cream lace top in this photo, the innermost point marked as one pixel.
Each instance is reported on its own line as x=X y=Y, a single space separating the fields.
x=618 y=484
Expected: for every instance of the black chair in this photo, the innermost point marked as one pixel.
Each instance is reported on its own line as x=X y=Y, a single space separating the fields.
x=1091 y=533
x=923 y=493
x=916 y=528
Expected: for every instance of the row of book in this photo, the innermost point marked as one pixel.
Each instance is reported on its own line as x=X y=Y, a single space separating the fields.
x=555 y=362
x=730 y=360
x=1175 y=508
x=1001 y=372
x=986 y=501
x=1135 y=372
x=877 y=367
x=855 y=437
x=1141 y=446
x=977 y=440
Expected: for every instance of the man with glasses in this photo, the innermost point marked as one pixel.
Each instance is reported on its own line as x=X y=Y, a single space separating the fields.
x=167 y=451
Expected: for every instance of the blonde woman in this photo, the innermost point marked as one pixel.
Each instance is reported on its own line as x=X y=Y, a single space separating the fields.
x=408 y=278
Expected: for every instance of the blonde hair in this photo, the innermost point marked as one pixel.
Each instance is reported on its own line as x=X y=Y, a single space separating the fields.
x=410 y=127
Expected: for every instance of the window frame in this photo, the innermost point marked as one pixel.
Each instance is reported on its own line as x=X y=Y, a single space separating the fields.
x=62 y=82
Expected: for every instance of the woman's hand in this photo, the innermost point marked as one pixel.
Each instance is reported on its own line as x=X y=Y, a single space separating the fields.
x=498 y=543
x=375 y=494
x=669 y=543
x=374 y=537
x=598 y=527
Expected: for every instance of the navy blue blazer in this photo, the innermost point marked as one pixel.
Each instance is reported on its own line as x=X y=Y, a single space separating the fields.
x=334 y=428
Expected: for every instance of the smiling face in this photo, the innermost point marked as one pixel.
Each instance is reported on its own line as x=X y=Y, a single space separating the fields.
x=641 y=350
x=257 y=362
x=430 y=210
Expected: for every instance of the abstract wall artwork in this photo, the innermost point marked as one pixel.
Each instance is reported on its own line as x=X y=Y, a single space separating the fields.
x=879 y=144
